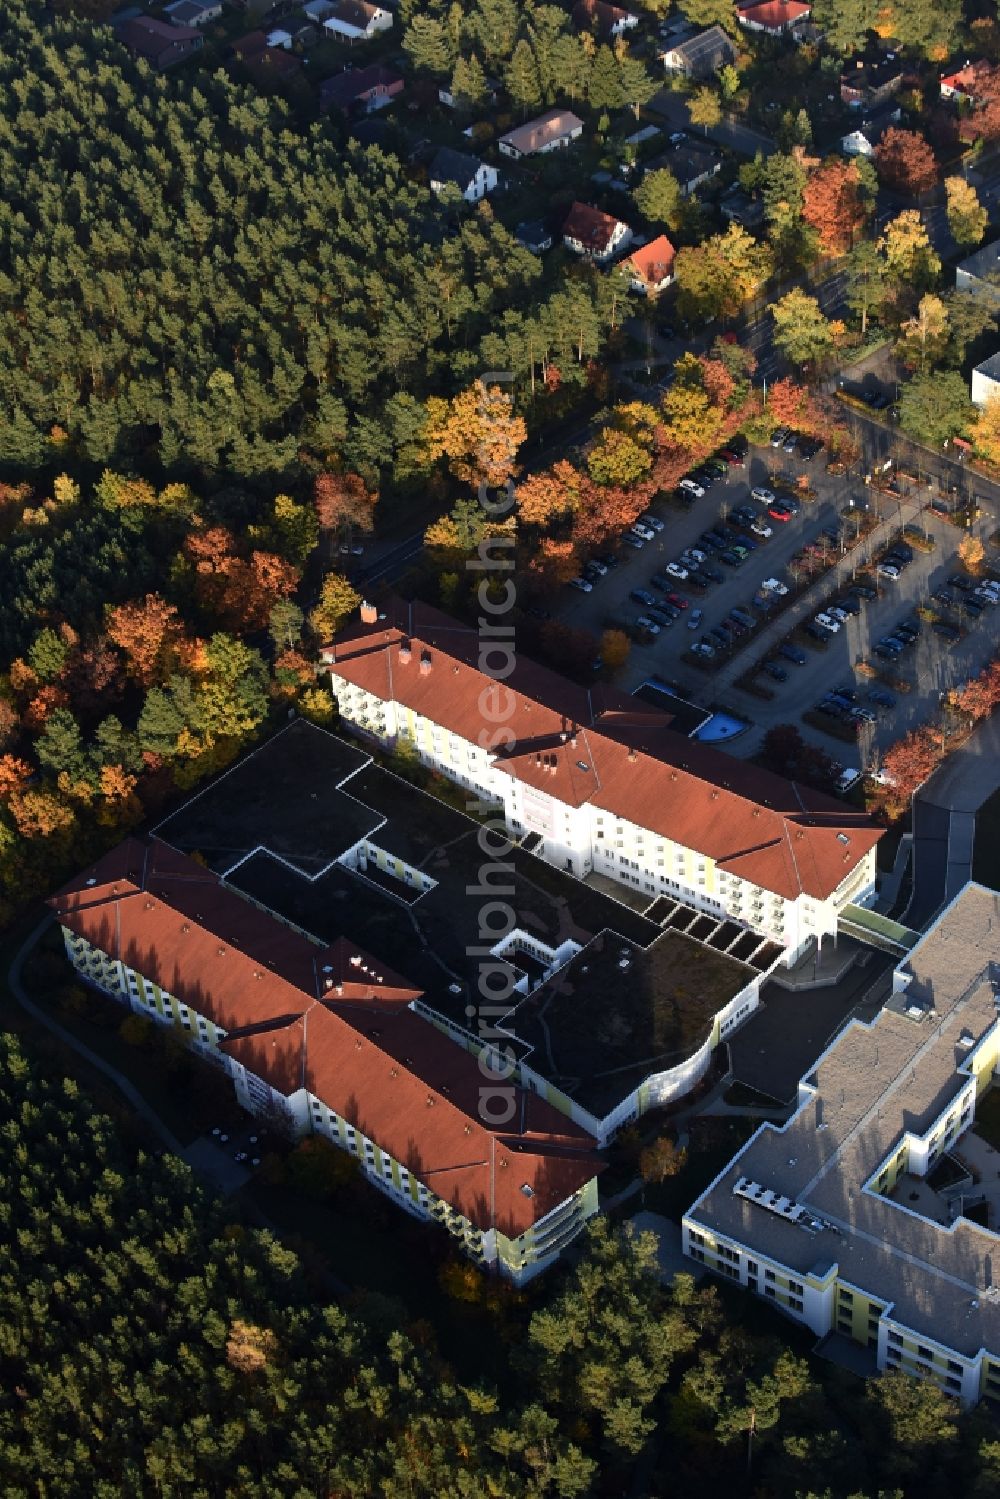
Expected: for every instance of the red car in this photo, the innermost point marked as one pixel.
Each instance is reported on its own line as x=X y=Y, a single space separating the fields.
x=677 y=601
x=780 y=511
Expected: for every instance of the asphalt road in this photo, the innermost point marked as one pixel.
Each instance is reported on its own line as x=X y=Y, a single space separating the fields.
x=673 y=108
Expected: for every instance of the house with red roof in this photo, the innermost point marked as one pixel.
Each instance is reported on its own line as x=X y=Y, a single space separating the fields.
x=325 y=1038
x=776 y=17
x=600 y=783
x=652 y=266
x=595 y=235
x=964 y=84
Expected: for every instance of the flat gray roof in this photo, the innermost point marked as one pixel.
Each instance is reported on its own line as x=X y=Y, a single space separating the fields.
x=875 y=1083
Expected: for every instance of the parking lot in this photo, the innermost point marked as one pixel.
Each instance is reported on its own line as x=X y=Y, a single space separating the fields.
x=930 y=664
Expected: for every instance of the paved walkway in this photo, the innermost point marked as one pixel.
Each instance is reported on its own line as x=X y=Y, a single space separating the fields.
x=121 y=1082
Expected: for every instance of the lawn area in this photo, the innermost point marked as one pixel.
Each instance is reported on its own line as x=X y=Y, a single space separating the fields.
x=986 y=849
x=987 y=1121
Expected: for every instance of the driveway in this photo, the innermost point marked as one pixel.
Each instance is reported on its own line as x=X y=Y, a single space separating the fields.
x=673 y=108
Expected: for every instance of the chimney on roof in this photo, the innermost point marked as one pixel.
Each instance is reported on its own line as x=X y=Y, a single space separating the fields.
x=369 y=614
x=425 y=663
x=404 y=651
x=631 y=755
x=572 y=741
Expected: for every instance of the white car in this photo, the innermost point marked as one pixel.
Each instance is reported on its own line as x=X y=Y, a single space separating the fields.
x=761 y=528
x=692 y=488
x=582 y=584
x=828 y=622
x=776 y=586
x=762 y=496
x=644 y=531
x=888 y=570
x=653 y=521
x=649 y=625
x=676 y=570
x=839 y=614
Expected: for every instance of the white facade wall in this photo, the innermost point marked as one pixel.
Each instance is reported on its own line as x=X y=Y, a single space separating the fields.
x=586 y=838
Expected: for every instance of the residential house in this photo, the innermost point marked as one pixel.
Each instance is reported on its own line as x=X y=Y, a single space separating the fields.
x=866 y=134
x=738 y=207
x=606 y=21
x=552 y=131
x=193 y=12
x=869 y=80
x=692 y=163
x=318 y=10
x=159 y=43
x=534 y=235
x=700 y=56
x=963 y=85
x=473 y=178
x=361 y=90
x=652 y=266
x=301 y=34
x=493 y=88
x=594 y=234
x=980 y=272
x=357 y=20
x=775 y=17
x=594 y=788
x=986 y=381
x=263 y=63
x=840 y=1219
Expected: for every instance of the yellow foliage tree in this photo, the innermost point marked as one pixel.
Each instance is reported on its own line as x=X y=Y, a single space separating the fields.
x=477 y=432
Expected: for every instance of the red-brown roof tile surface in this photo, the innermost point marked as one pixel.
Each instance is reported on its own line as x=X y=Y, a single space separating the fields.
x=332 y=1019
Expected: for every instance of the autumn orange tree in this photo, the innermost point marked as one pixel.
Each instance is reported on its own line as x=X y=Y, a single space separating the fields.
x=342 y=501
x=144 y=631
x=833 y=204
x=905 y=161
x=477 y=433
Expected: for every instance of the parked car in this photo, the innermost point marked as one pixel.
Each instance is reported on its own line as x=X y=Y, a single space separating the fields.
x=888 y=570
x=775 y=585
x=595 y=565
x=774 y=670
x=722 y=636
x=962 y=581
x=642 y=596
x=792 y=653
x=695 y=618
x=663 y=617
x=703 y=647
x=809 y=446
x=592 y=575
x=778 y=436
x=744 y=616
x=676 y=570
x=652 y=521
x=818 y=632
x=712 y=540
x=883 y=698
x=649 y=626
x=730 y=559
x=828 y=622
x=737 y=626
x=761 y=528
x=692 y=488
x=762 y=495
x=582 y=584
x=633 y=541
x=849 y=604
x=790 y=442
x=646 y=532
x=780 y=511
x=609 y=560
x=710 y=572
x=948 y=632
x=678 y=601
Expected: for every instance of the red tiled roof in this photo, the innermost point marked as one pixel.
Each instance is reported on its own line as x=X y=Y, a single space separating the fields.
x=966 y=78
x=773 y=14
x=581 y=746
x=654 y=262
x=593 y=228
x=332 y=1019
